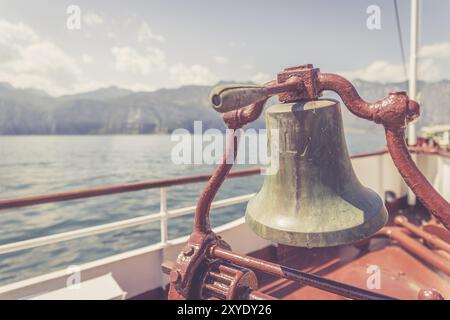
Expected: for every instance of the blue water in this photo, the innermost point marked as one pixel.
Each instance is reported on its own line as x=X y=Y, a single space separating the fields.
x=43 y=164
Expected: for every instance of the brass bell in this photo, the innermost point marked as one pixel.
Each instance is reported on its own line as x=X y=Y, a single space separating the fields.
x=315 y=198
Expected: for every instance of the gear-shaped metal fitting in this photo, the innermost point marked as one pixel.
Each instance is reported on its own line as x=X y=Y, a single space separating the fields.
x=226 y=281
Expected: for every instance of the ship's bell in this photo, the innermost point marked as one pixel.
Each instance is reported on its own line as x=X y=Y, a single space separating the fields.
x=315 y=198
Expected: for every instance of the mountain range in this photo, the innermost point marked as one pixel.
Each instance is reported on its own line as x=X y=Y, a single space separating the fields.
x=115 y=110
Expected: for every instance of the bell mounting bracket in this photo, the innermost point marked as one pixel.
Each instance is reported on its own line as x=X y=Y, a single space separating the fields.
x=308 y=83
x=205 y=252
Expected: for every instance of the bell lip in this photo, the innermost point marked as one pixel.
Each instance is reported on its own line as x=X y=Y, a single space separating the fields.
x=321 y=239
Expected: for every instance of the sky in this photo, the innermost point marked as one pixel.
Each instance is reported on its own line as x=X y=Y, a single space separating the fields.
x=147 y=45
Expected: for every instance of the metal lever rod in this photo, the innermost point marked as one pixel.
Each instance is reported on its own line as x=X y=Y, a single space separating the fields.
x=296 y=275
x=225 y=98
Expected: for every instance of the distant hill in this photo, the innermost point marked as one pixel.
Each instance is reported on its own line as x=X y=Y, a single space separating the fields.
x=119 y=111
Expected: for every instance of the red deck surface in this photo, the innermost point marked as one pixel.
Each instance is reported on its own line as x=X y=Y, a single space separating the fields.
x=401 y=274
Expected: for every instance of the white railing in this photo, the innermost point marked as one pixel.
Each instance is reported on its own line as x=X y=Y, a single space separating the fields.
x=163 y=216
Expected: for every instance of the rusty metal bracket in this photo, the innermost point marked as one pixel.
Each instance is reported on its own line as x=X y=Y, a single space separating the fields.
x=394 y=112
x=241 y=105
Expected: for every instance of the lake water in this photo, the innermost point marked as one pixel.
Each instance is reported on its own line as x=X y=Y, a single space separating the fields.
x=44 y=164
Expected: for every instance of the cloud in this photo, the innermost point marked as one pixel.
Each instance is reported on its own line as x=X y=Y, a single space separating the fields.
x=87 y=59
x=92 y=18
x=128 y=59
x=192 y=75
x=383 y=71
x=27 y=60
x=380 y=71
x=220 y=59
x=435 y=50
x=138 y=87
x=237 y=44
x=260 y=77
x=428 y=70
x=111 y=35
x=145 y=33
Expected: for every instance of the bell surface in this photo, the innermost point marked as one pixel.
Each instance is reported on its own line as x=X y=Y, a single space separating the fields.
x=314 y=199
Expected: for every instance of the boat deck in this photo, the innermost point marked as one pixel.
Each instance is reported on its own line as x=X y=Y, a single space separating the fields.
x=403 y=267
x=408 y=258
x=403 y=272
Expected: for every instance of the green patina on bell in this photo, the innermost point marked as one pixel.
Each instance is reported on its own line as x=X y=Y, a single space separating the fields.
x=315 y=198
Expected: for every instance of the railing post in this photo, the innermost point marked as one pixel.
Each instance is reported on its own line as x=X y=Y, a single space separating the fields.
x=164 y=215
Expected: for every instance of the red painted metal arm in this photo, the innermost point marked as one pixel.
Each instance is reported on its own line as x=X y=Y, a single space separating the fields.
x=418 y=183
x=201 y=219
x=194 y=252
x=234 y=120
x=394 y=112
